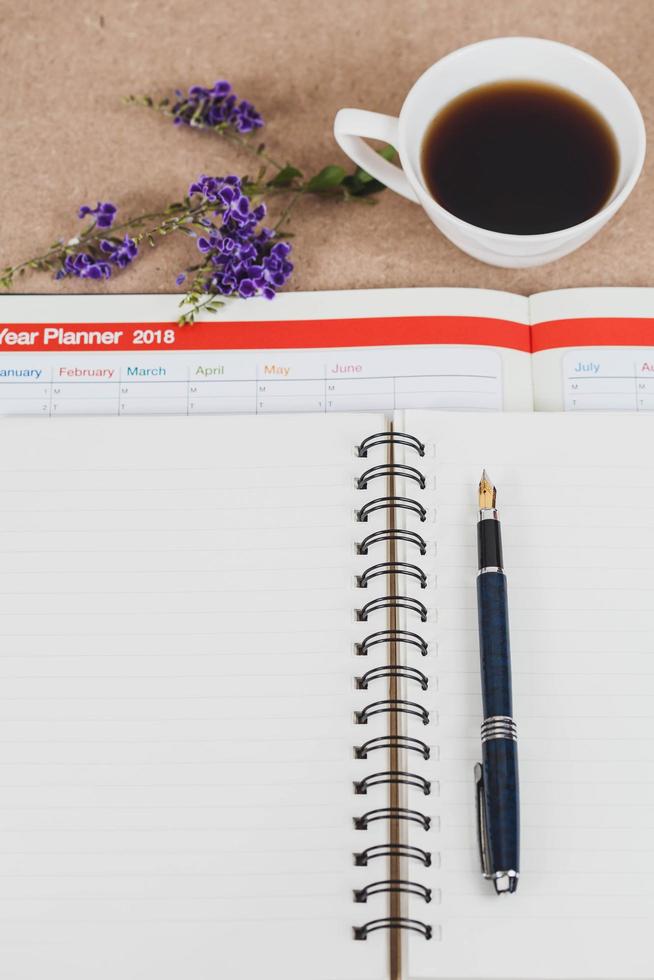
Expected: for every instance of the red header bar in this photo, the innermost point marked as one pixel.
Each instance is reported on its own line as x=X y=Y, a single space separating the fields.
x=595 y=331
x=342 y=332
x=265 y=334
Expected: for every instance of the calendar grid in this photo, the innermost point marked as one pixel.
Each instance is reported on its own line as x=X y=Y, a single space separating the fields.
x=228 y=382
x=603 y=379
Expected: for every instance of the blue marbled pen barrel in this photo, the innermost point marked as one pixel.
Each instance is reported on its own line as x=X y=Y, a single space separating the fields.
x=500 y=796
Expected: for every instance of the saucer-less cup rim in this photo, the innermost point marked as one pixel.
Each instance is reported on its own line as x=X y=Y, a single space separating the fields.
x=350 y=125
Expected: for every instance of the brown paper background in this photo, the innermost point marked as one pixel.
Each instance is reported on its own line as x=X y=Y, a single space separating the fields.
x=66 y=138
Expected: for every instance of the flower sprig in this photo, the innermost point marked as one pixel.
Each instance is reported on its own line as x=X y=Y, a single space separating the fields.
x=218 y=110
x=238 y=255
x=240 y=258
x=211 y=107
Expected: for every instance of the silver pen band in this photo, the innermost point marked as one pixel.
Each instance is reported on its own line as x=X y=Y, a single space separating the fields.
x=499 y=726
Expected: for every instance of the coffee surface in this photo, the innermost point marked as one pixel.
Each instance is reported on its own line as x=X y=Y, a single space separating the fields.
x=523 y=158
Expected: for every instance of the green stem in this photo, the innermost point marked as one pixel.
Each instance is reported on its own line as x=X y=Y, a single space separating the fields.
x=221 y=130
x=285 y=215
x=87 y=238
x=209 y=300
x=245 y=144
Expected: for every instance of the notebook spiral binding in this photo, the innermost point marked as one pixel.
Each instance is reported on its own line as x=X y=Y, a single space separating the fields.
x=380 y=678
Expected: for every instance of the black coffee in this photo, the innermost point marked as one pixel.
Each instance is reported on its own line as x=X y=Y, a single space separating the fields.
x=520 y=157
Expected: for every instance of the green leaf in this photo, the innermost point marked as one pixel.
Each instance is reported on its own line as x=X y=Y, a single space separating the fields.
x=285 y=176
x=361 y=184
x=387 y=152
x=328 y=178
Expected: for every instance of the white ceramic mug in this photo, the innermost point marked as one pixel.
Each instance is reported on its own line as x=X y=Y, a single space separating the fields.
x=498 y=59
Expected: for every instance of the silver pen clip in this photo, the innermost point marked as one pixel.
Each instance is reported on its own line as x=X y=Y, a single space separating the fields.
x=482 y=830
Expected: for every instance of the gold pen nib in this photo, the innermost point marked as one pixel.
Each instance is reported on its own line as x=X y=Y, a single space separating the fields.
x=487 y=493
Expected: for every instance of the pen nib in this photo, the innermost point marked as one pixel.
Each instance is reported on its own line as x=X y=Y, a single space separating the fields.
x=487 y=493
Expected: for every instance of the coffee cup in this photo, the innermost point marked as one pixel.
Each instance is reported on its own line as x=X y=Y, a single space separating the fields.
x=484 y=63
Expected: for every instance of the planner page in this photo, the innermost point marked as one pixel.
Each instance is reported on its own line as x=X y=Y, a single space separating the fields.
x=322 y=352
x=593 y=349
x=177 y=699
x=574 y=497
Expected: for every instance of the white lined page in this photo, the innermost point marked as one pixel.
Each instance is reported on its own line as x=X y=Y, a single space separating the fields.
x=581 y=600
x=176 y=700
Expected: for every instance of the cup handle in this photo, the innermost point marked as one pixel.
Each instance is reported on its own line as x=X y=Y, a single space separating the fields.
x=350 y=125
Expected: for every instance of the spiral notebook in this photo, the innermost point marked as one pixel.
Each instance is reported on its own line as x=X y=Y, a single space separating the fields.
x=240 y=705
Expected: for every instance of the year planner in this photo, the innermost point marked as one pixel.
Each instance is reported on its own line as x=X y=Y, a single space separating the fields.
x=368 y=350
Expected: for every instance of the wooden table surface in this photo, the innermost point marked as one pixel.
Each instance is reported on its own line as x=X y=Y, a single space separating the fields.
x=67 y=139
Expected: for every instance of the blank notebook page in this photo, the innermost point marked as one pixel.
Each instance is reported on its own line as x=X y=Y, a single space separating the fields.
x=176 y=698
x=575 y=496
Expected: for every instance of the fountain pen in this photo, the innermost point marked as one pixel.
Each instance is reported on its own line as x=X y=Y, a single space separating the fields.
x=496 y=777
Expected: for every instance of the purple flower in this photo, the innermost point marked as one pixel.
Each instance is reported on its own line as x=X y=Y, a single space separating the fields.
x=246 y=118
x=119 y=253
x=210 y=187
x=221 y=89
x=217 y=106
x=84 y=266
x=242 y=259
x=104 y=213
x=246 y=288
x=99 y=263
x=180 y=279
